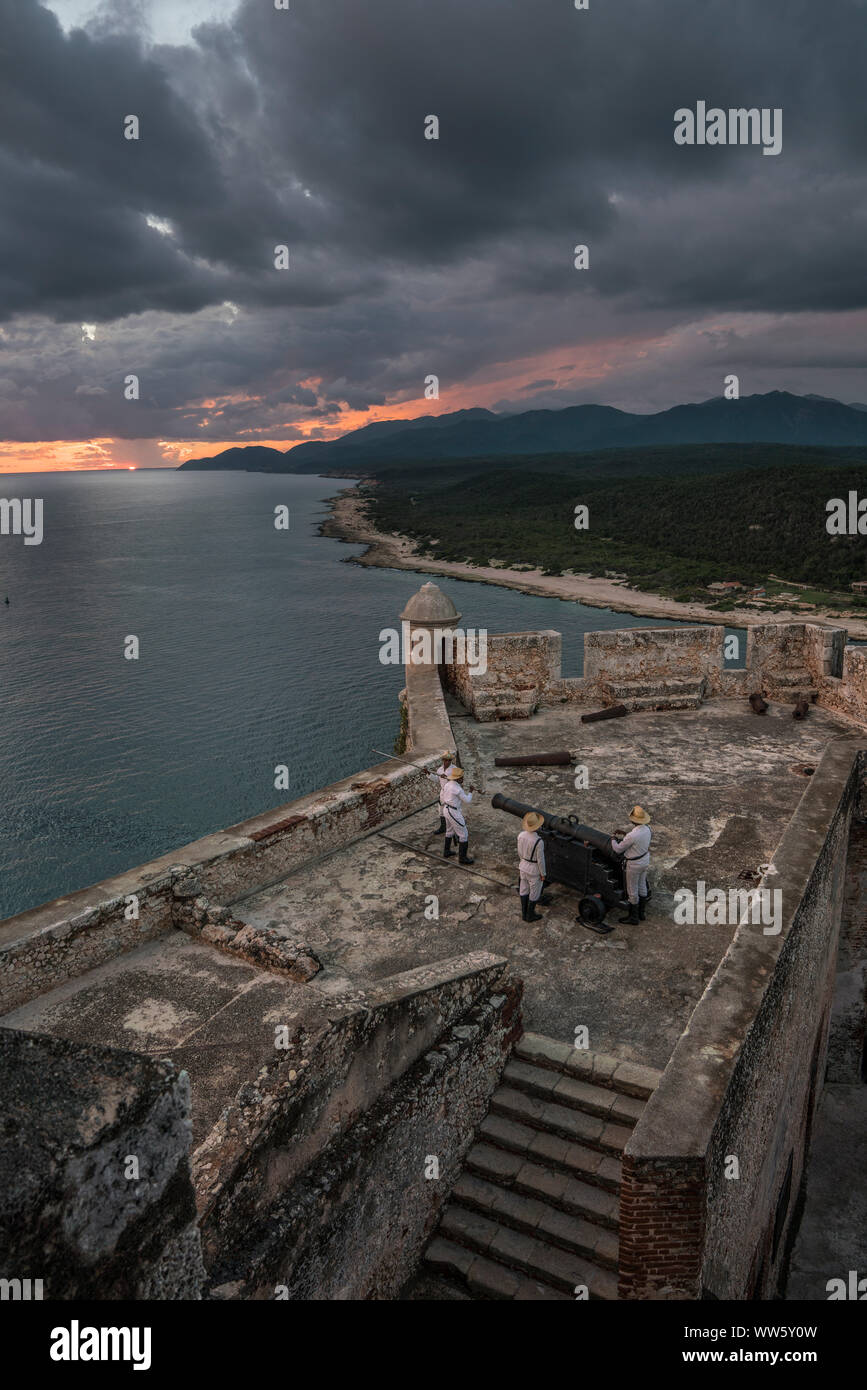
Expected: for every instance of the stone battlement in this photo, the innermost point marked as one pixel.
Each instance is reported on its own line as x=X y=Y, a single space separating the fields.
x=784 y=660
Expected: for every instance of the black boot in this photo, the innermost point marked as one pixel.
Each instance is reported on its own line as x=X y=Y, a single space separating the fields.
x=528 y=909
x=632 y=919
x=447 y=848
x=463 y=857
x=441 y=828
x=642 y=909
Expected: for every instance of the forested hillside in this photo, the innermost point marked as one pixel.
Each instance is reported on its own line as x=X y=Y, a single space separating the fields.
x=673 y=534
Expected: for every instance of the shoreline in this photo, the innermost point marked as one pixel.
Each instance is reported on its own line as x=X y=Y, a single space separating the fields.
x=348 y=522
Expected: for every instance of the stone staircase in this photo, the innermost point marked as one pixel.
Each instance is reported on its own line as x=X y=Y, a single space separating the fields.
x=657 y=693
x=534 y=1214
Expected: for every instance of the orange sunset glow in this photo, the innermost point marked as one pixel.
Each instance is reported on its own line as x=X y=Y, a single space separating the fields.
x=588 y=365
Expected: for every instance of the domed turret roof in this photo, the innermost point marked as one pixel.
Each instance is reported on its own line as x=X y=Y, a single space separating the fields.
x=430 y=607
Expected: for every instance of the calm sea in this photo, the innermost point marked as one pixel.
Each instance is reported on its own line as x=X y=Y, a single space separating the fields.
x=258 y=647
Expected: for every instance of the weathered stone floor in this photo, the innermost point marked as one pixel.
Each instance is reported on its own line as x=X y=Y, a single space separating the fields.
x=719 y=784
x=176 y=997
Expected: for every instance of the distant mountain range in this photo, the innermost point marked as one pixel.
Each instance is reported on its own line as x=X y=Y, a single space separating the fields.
x=775 y=418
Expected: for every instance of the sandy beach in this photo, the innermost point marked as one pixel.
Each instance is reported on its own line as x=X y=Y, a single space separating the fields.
x=349 y=522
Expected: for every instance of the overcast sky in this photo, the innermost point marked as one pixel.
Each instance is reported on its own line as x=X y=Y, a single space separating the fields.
x=410 y=256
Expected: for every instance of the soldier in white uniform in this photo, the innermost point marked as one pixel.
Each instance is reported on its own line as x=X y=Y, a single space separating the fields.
x=454 y=798
x=531 y=866
x=635 y=846
x=441 y=777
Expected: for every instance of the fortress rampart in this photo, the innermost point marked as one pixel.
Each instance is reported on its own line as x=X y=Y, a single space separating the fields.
x=744 y=1079
x=297 y=1181
x=664 y=667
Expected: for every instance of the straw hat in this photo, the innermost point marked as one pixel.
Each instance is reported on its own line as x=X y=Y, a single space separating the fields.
x=447 y=757
x=532 y=820
x=639 y=816
x=456 y=774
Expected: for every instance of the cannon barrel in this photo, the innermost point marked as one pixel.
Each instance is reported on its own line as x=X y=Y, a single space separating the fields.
x=561 y=825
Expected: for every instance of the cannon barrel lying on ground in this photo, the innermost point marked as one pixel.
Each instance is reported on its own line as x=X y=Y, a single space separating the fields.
x=579 y=857
x=534 y=760
x=612 y=712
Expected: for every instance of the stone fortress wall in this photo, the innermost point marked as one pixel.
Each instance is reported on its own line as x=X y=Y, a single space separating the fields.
x=746 y=1076
x=300 y=1175
x=664 y=667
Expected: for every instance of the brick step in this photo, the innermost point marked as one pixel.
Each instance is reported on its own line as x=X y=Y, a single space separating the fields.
x=472 y=1194
x=630 y=1078
x=530 y=1257
x=573 y=1092
x=486 y=1278
x=503 y=708
x=662 y=702
x=561 y=1120
x=798 y=679
x=551 y=1150
x=680 y=688
x=559 y=1189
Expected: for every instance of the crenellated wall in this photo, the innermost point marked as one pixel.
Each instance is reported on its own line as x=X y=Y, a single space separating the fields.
x=642 y=653
x=847 y=695
x=658 y=667
x=520 y=666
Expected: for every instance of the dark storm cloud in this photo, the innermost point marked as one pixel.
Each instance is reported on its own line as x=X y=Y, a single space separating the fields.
x=407 y=256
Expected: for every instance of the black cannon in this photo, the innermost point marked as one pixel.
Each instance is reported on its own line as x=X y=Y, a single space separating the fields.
x=578 y=857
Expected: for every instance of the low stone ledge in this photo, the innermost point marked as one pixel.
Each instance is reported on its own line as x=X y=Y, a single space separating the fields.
x=330 y=1073
x=353 y=1223
x=260 y=946
x=37 y=953
x=44 y=946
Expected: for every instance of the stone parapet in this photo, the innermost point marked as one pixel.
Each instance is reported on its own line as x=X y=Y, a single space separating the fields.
x=520 y=667
x=327 y=1177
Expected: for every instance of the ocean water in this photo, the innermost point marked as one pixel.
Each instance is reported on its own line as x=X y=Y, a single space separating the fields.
x=258 y=647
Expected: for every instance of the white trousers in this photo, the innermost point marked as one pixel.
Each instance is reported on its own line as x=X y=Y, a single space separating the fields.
x=530 y=883
x=455 y=823
x=636 y=880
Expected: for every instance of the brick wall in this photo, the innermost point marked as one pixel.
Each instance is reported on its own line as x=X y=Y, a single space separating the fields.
x=662 y=1219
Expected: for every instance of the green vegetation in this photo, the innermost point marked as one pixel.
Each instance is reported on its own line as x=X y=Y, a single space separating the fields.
x=672 y=520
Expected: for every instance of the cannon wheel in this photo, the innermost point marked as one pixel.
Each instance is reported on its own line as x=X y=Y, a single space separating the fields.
x=591 y=913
